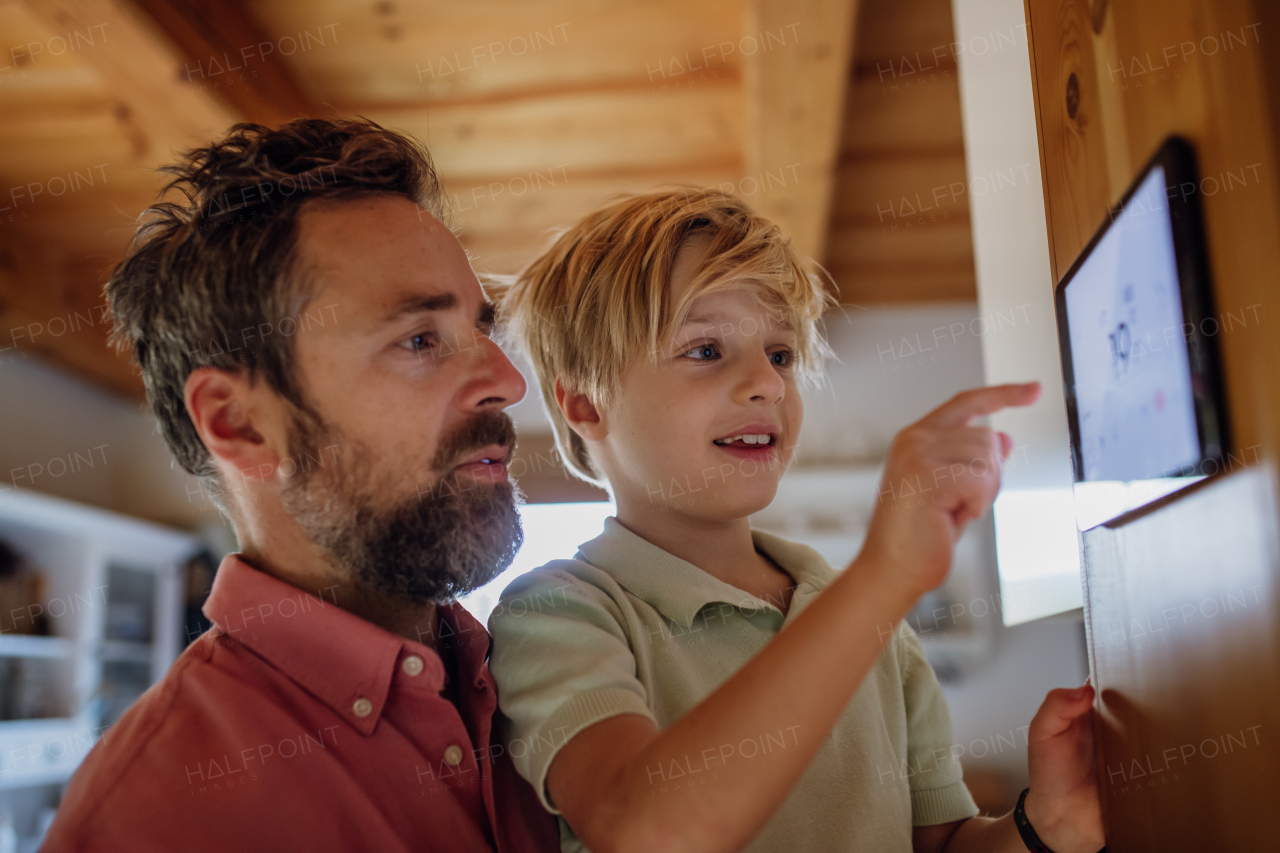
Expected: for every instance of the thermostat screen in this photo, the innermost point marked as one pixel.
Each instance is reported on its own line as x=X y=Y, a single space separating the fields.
x=1132 y=378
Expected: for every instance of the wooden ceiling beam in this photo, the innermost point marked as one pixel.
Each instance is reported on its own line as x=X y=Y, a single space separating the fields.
x=146 y=75
x=794 y=86
x=228 y=51
x=585 y=133
x=624 y=87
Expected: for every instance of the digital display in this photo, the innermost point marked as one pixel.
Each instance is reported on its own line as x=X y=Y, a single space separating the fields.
x=1132 y=377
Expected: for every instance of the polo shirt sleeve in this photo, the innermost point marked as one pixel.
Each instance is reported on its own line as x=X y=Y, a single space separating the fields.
x=562 y=662
x=938 y=792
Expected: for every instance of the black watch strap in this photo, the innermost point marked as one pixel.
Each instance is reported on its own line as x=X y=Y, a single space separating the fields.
x=1029 y=837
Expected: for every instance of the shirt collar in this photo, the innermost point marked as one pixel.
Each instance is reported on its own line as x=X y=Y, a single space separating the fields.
x=336 y=656
x=679 y=589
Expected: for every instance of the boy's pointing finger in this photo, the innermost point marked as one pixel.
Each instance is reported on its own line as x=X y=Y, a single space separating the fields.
x=976 y=402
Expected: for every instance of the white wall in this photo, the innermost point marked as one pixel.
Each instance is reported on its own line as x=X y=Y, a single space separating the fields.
x=63 y=435
x=896 y=362
x=1036 y=539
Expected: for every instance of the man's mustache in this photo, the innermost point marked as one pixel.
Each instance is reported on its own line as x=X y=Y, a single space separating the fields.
x=476 y=433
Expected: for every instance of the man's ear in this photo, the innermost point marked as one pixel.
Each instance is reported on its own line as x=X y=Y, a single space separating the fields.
x=225 y=409
x=580 y=413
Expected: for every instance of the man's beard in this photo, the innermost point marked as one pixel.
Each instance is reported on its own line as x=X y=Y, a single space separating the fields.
x=431 y=546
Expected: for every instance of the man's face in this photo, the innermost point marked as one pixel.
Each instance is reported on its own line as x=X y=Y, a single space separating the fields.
x=403 y=481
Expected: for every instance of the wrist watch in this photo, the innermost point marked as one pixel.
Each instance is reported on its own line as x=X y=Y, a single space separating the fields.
x=1028 y=833
x=1029 y=837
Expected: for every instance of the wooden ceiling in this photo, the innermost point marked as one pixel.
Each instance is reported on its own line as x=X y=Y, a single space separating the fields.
x=816 y=112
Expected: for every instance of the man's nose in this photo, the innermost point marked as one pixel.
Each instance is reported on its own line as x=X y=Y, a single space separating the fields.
x=497 y=383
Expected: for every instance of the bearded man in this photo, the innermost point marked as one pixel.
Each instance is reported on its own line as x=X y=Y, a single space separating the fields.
x=318 y=351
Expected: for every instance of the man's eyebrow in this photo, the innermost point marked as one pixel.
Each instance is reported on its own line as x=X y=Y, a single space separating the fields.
x=419 y=304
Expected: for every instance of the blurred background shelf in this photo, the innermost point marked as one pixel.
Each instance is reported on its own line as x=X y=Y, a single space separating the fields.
x=110 y=617
x=42 y=752
x=127 y=651
x=24 y=646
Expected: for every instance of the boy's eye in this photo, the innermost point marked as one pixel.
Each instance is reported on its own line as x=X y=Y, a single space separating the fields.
x=781 y=358
x=703 y=352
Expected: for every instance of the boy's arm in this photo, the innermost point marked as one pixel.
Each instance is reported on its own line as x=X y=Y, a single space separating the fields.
x=1062 y=806
x=803 y=679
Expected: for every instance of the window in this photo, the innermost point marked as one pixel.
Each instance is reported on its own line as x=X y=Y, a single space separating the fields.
x=551 y=532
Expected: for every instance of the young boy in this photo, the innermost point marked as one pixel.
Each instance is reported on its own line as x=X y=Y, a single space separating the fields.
x=685 y=682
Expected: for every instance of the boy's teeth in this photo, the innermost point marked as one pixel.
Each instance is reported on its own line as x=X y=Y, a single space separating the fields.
x=746 y=439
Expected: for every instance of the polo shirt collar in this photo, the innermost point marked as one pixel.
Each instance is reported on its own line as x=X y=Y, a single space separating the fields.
x=677 y=588
x=335 y=655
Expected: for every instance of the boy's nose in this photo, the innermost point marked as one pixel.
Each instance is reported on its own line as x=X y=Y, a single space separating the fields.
x=760 y=381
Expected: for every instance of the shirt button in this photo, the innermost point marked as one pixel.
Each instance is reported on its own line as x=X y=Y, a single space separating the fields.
x=412 y=665
x=453 y=755
x=362 y=708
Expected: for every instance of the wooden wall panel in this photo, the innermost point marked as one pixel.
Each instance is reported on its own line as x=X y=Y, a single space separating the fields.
x=1076 y=175
x=1182 y=599
x=1181 y=607
x=1217 y=100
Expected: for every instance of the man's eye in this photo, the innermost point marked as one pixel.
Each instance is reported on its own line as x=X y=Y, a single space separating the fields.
x=703 y=352
x=419 y=343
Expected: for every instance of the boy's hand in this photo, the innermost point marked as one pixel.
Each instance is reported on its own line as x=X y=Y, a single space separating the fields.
x=941 y=472
x=1063 y=806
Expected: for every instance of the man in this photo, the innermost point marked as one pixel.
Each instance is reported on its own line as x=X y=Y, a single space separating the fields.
x=317 y=350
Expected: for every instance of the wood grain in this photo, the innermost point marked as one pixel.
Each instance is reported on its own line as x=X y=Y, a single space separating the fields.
x=219 y=40
x=1182 y=599
x=819 y=114
x=1181 y=606
x=793 y=91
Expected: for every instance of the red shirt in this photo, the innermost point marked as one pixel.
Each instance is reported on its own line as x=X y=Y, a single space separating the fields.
x=295 y=725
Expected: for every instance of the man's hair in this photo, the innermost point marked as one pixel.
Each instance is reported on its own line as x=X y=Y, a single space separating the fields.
x=599 y=297
x=211 y=281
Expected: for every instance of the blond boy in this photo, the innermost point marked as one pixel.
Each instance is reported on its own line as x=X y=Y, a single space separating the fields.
x=685 y=682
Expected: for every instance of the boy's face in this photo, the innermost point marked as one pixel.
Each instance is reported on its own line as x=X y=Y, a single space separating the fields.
x=708 y=428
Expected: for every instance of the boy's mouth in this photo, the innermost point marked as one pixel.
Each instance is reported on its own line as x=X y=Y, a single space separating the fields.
x=756 y=442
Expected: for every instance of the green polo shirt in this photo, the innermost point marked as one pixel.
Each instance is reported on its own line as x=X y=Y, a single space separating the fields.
x=627 y=628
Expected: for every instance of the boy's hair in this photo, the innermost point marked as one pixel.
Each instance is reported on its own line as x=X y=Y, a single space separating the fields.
x=599 y=297
x=210 y=280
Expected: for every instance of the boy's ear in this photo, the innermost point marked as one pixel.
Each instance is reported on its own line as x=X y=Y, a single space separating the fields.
x=580 y=413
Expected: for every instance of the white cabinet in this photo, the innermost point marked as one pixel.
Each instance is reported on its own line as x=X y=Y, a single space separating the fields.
x=113 y=603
